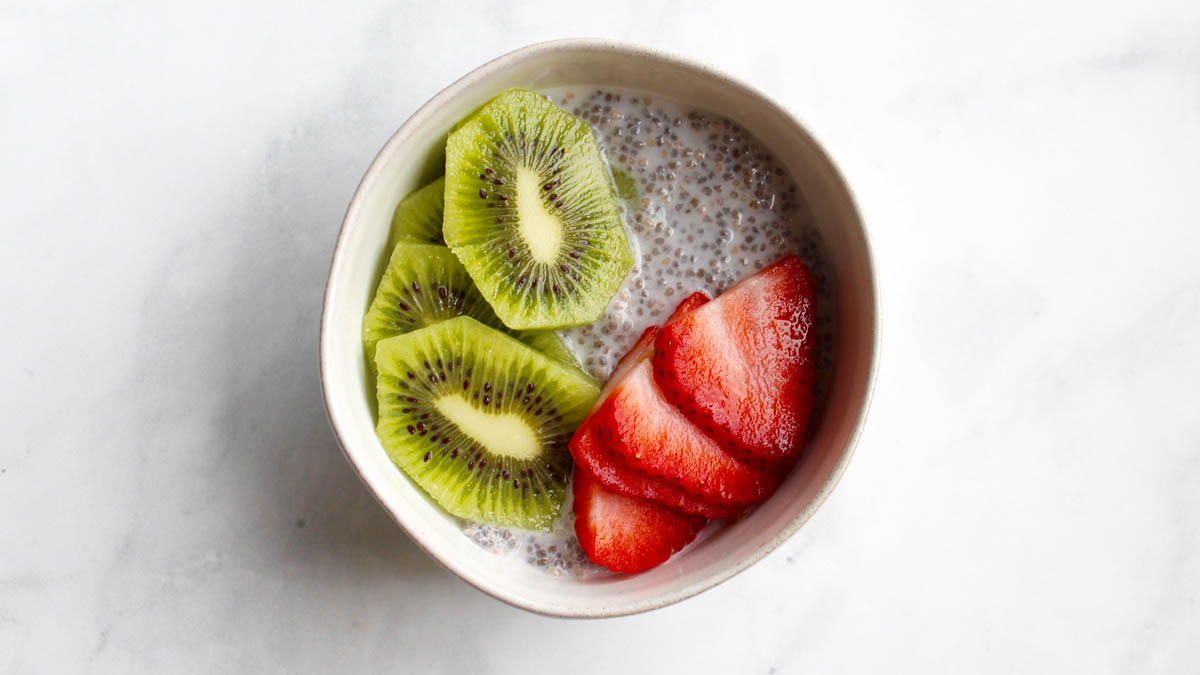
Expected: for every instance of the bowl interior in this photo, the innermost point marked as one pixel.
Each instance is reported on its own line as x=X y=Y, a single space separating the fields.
x=412 y=157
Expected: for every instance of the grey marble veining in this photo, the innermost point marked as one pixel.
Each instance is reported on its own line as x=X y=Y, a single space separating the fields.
x=1026 y=497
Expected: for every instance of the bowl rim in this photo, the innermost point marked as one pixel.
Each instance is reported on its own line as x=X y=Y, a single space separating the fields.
x=576 y=45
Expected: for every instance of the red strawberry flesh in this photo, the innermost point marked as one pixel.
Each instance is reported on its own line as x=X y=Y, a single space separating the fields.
x=652 y=436
x=688 y=304
x=626 y=534
x=605 y=466
x=740 y=367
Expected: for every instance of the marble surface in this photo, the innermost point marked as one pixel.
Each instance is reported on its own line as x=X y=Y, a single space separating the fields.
x=1026 y=497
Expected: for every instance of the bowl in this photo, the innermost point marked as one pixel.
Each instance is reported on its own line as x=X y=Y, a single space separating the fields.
x=412 y=157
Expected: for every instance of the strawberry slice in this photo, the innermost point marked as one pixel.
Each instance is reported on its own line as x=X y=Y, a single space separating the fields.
x=626 y=534
x=688 y=304
x=741 y=368
x=652 y=436
x=605 y=466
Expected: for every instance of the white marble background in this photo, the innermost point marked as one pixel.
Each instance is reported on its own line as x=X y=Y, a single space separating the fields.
x=1026 y=497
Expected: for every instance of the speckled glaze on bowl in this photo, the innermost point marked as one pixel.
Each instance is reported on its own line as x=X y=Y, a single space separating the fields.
x=412 y=157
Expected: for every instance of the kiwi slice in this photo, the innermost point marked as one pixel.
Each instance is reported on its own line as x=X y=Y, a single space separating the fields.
x=481 y=421
x=418 y=217
x=424 y=284
x=530 y=212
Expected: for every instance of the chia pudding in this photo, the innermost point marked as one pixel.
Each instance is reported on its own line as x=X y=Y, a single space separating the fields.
x=705 y=205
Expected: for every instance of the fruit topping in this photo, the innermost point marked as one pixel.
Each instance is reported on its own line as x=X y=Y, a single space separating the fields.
x=480 y=421
x=626 y=534
x=531 y=213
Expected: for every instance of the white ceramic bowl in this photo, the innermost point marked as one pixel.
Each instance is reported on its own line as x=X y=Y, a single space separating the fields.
x=412 y=157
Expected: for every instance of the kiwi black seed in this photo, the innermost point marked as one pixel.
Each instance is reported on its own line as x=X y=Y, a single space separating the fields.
x=531 y=213
x=418 y=217
x=481 y=421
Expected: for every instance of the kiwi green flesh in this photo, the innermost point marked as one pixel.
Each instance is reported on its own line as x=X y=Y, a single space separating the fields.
x=481 y=421
x=549 y=343
x=418 y=217
x=625 y=186
x=424 y=284
x=531 y=213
